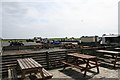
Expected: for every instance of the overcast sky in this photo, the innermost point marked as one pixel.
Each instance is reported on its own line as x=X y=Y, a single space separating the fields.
x=58 y=18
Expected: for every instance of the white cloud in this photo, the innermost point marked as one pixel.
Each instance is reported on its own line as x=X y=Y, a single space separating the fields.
x=0 y=20
x=61 y=18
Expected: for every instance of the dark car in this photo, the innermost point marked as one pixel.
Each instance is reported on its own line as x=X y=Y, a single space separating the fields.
x=55 y=42
x=16 y=43
x=29 y=40
x=37 y=41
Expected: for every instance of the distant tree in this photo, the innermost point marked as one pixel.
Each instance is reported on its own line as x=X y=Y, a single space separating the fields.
x=72 y=38
x=35 y=38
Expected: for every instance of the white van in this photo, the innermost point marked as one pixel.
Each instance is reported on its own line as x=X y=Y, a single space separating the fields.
x=112 y=39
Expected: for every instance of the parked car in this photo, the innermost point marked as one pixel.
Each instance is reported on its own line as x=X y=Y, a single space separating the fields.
x=16 y=43
x=55 y=42
x=29 y=40
x=38 y=41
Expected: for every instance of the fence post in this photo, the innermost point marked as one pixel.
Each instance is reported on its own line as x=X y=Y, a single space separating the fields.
x=22 y=56
x=47 y=59
x=66 y=52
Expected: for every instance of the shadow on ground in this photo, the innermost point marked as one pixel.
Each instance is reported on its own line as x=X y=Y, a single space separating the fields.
x=77 y=75
x=110 y=66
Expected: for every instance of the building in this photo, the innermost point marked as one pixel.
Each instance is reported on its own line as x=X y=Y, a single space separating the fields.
x=89 y=39
x=111 y=39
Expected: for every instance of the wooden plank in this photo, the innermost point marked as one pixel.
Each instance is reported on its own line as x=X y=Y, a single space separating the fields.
x=47 y=74
x=81 y=56
x=106 y=51
x=21 y=65
x=30 y=64
x=117 y=48
x=25 y=66
x=35 y=62
x=26 y=63
x=9 y=74
x=12 y=74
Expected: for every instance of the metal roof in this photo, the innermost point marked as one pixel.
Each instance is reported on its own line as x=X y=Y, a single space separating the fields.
x=112 y=35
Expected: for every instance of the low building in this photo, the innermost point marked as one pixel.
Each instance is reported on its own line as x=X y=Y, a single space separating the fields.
x=111 y=39
x=89 y=39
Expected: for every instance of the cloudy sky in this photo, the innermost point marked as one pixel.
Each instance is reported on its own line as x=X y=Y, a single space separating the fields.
x=58 y=18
